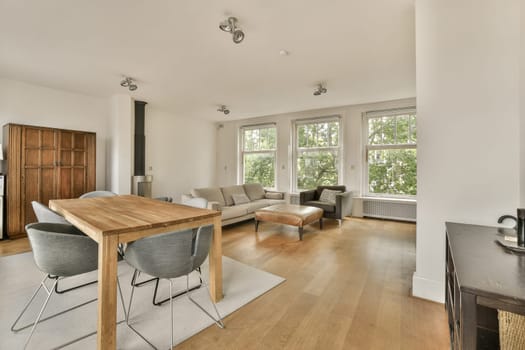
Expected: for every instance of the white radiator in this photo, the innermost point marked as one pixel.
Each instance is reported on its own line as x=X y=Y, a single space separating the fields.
x=396 y=209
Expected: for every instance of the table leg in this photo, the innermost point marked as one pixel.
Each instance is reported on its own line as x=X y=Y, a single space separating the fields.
x=216 y=261
x=107 y=293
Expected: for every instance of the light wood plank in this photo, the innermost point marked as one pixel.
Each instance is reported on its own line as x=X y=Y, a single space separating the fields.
x=107 y=293
x=215 y=260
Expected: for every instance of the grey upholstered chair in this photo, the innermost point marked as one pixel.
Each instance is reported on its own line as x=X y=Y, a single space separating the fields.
x=94 y=194
x=44 y=214
x=197 y=202
x=337 y=210
x=59 y=250
x=169 y=256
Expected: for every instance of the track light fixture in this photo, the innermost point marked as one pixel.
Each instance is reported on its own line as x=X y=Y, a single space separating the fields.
x=230 y=26
x=320 y=90
x=223 y=109
x=129 y=83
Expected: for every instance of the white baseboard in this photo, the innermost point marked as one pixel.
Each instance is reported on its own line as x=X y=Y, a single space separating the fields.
x=428 y=289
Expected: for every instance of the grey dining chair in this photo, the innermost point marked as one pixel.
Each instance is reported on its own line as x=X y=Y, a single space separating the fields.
x=197 y=202
x=168 y=256
x=94 y=194
x=59 y=251
x=44 y=214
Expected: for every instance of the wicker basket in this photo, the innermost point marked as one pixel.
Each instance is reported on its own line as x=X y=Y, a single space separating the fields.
x=511 y=331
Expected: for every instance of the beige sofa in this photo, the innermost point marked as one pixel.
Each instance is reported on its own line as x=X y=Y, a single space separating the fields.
x=237 y=203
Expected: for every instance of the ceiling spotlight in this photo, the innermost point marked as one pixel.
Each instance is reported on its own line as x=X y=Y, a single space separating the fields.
x=320 y=90
x=230 y=26
x=129 y=83
x=223 y=109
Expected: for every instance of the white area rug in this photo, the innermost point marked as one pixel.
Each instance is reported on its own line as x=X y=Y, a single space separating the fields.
x=19 y=277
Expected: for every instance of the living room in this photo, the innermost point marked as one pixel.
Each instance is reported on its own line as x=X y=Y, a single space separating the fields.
x=460 y=63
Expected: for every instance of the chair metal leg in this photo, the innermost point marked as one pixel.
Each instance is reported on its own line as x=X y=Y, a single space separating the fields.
x=42 y=284
x=128 y=314
x=171 y=313
x=73 y=288
x=39 y=318
x=136 y=275
x=173 y=296
x=49 y=293
x=217 y=321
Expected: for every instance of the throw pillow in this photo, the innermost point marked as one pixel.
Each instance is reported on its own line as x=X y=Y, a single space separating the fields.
x=273 y=195
x=240 y=199
x=328 y=195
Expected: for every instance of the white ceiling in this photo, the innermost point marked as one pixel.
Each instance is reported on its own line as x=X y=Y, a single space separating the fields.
x=364 y=50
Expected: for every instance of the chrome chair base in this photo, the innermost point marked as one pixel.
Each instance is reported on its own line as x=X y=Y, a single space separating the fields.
x=134 y=283
x=218 y=320
x=39 y=319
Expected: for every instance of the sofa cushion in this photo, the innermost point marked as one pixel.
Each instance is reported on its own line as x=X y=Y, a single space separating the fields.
x=326 y=206
x=240 y=199
x=212 y=194
x=227 y=192
x=234 y=211
x=254 y=191
x=261 y=203
x=328 y=196
x=274 y=195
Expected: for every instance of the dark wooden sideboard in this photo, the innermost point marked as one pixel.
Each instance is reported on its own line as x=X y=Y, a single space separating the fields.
x=481 y=277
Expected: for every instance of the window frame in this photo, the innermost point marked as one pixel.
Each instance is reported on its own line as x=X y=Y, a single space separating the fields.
x=242 y=151
x=368 y=147
x=296 y=150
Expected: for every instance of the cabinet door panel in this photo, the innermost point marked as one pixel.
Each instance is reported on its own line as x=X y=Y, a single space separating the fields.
x=47 y=188
x=31 y=137
x=79 y=183
x=32 y=157
x=48 y=138
x=79 y=141
x=64 y=181
x=47 y=157
x=79 y=158
x=31 y=185
x=66 y=139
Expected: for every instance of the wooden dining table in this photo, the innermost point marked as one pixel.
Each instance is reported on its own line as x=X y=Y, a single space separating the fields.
x=121 y=219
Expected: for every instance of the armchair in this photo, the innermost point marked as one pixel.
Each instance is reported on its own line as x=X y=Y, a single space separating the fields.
x=331 y=210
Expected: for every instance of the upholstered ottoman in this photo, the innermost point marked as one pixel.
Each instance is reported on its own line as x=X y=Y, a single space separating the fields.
x=290 y=214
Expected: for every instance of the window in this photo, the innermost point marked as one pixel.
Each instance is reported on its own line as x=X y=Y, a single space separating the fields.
x=317 y=153
x=391 y=155
x=258 y=149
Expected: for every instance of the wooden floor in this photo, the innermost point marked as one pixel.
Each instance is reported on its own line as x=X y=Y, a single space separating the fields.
x=346 y=288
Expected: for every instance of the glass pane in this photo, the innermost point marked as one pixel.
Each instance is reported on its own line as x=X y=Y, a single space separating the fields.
x=272 y=137
x=248 y=140
x=302 y=135
x=392 y=171
x=413 y=134
x=263 y=139
x=334 y=134
x=402 y=126
x=316 y=168
x=260 y=168
x=389 y=130
x=375 y=130
x=322 y=135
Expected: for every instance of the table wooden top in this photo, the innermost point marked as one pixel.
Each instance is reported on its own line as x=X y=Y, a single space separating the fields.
x=102 y=216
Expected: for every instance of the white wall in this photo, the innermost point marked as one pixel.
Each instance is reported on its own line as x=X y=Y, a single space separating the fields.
x=227 y=142
x=24 y=103
x=467 y=73
x=180 y=153
x=120 y=155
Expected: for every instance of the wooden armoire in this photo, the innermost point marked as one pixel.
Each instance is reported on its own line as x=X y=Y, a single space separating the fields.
x=43 y=164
